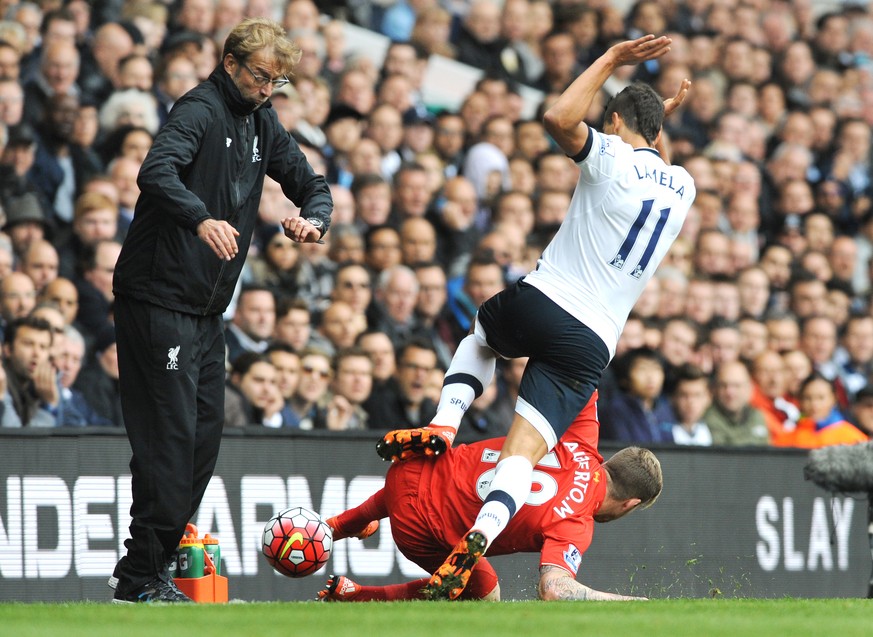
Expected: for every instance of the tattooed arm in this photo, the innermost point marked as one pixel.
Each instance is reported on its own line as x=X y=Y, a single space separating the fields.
x=558 y=584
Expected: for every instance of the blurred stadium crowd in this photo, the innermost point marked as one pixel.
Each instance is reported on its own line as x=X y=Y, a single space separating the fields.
x=756 y=330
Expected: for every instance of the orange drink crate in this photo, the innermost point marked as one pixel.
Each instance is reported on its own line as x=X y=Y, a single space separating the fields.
x=212 y=587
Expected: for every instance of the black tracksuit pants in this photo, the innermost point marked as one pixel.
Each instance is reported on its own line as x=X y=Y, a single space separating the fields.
x=172 y=375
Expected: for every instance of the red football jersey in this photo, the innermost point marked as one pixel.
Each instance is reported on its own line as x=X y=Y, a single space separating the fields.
x=568 y=487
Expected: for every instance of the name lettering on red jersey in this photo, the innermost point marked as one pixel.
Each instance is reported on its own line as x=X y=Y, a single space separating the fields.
x=581 y=481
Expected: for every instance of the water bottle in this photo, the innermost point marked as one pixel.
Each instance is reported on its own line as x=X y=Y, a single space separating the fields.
x=213 y=550
x=190 y=557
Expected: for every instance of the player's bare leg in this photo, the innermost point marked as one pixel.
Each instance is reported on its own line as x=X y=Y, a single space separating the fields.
x=510 y=487
x=471 y=370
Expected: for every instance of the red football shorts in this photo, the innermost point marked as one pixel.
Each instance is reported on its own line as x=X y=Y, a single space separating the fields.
x=417 y=530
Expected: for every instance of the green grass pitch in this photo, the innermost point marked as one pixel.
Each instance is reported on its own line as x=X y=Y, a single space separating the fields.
x=660 y=618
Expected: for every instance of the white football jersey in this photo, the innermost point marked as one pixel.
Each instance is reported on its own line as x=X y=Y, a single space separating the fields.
x=626 y=212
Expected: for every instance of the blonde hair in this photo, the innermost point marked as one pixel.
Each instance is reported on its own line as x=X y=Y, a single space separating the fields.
x=13 y=34
x=256 y=34
x=635 y=473
x=91 y=201
x=145 y=9
x=435 y=14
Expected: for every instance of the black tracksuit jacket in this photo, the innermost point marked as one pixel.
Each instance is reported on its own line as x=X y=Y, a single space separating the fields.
x=208 y=160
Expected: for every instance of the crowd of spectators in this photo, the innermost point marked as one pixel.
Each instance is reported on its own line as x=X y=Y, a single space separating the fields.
x=757 y=328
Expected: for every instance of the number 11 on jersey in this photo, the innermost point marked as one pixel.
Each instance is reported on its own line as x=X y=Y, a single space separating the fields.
x=620 y=259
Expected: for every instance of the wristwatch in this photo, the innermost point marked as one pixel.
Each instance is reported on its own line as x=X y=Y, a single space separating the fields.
x=318 y=224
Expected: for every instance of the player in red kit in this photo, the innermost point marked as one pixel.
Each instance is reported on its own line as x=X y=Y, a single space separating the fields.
x=431 y=503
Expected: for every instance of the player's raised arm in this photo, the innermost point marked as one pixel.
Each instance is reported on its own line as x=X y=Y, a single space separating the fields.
x=670 y=105
x=556 y=584
x=564 y=120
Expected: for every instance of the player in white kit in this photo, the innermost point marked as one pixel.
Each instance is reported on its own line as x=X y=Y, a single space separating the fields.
x=566 y=315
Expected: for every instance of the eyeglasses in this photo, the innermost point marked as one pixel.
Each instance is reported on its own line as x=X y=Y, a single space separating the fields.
x=416 y=367
x=306 y=369
x=351 y=285
x=181 y=76
x=261 y=81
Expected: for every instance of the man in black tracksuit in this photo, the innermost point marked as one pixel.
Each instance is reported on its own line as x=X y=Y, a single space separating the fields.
x=200 y=190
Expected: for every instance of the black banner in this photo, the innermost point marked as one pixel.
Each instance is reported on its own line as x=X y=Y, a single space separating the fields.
x=737 y=523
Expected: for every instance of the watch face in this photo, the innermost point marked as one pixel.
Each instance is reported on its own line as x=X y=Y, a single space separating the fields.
x=316 y=223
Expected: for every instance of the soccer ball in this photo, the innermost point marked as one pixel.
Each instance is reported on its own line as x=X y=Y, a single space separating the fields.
x=297 y=542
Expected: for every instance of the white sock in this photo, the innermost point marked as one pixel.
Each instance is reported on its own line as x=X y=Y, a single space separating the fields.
x=509 y=489
x=472 y=365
